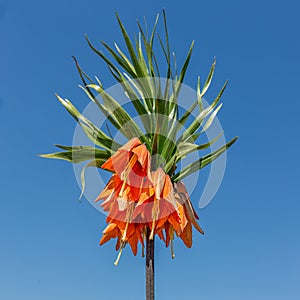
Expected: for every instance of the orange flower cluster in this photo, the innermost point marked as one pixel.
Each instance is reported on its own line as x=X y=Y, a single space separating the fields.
x=139 y=200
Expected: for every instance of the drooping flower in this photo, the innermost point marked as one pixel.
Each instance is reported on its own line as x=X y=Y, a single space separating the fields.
x=169 y=210
x=131 y=165
x=190 y=217
x=138 y=199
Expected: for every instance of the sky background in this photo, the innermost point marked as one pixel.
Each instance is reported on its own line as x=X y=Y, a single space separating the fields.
x=49 y=241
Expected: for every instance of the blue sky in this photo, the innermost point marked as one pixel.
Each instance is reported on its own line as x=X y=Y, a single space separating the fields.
x=49 y=241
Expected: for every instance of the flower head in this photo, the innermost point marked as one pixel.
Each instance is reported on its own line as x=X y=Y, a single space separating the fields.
x=138 y=199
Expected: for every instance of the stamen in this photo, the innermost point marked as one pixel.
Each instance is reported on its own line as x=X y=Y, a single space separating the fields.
x=172 y=241
x=122 y=189
x=132 y=161
x=119 y=254
x=125 y=231
x=155 y=212
x=128 y=218
x=128 y=169
x=152 y=230
x=172 y=249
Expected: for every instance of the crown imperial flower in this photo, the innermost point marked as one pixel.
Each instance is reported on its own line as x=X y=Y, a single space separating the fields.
x=138 y=199
x=145 y=196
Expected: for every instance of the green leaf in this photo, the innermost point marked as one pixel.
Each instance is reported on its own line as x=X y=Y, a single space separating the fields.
x=95 y=163
x=168 y=54
x=182 y=74
x=101 y=107
x=125 y=63
x=185 y=148
x=140 y=108
x=209 y=79
x=139 y=71
x=199 y=97
x=211 y=118
x=168 y=145
x=184 y=68
x=127 y=125
x=102 y=56
x=201 y=117
x=149 y=47
x=195 y=136
x=122 y=60
x=202 y=162
x=96 y=135
x=77 y=154
x=167 y=57
x=83 y=76
x=144 y=109
x=187 y=113
x=141 y=58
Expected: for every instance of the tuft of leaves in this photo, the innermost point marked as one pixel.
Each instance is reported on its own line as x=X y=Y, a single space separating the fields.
x=155 y=102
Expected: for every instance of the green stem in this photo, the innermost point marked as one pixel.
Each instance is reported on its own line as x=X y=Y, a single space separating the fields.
x=149 y=267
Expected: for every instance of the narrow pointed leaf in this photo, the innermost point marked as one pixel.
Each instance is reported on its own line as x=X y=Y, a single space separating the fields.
x=199 y=97
x=209 y=79
x=78 y=154
x=131 y=51
x=200 y=118
x=185 y=148
x=127 y=125
x=96 y=135
x=211 y=118
x=95 y=163
x=202 y=162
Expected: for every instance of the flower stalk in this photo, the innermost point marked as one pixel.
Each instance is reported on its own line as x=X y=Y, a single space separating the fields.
x=149 y=267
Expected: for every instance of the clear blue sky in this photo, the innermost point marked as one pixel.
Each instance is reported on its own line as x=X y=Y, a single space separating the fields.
x=49 y=241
